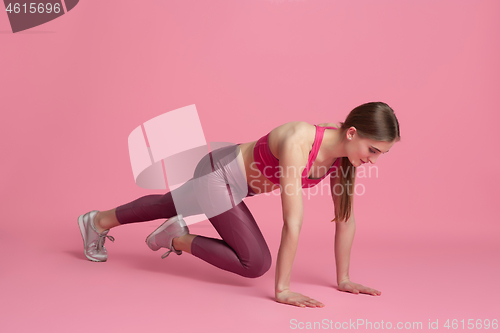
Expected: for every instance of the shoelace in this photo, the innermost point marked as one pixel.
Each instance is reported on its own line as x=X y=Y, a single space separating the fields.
x=169 y=251
x=102 y=238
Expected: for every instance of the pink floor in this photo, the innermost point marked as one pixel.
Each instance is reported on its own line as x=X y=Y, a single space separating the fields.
x=48 y=284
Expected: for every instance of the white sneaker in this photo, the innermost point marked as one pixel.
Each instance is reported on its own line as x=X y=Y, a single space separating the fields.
x=93 y=241
x=165 y=233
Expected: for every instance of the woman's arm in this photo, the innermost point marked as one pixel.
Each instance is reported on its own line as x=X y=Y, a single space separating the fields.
x=344 y=237
x=293 y=159
x=286 y=255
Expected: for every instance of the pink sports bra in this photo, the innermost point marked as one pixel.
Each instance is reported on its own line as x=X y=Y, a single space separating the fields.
x=268 y=164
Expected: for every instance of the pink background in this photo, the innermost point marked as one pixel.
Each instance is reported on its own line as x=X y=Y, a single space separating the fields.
x=74 y=88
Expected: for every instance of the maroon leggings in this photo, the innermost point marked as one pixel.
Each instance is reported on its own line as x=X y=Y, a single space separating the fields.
x=242 y=249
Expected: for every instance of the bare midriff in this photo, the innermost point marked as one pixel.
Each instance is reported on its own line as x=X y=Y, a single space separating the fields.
x=257 y=181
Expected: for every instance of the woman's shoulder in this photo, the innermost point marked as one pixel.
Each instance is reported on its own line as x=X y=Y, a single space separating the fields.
x=297 y=129
x=337 y=125
x=301 y=132
x=301 y=127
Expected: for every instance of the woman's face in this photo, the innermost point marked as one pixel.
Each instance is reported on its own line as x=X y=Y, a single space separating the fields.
x=361 y=150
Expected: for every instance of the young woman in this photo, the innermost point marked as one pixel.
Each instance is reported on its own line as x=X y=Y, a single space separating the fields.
x=292 y=156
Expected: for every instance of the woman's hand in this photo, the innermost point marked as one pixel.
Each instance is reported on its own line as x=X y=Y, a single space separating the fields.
x=355 y=288
x=288 y=297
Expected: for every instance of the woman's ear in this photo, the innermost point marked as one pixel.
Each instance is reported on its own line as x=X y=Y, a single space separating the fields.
x=351 y=131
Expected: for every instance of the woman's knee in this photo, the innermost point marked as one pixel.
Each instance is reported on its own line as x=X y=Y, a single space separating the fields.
x=258 y=268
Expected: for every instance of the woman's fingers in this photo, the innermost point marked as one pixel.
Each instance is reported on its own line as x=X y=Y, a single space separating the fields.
x=314 y=303
x=356 y=288
x=297 y=299
x=366 y=290
x=309 y=302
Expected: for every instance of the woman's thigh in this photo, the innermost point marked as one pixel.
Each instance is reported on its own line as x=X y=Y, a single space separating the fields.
x=219 y=182
x=220 y=187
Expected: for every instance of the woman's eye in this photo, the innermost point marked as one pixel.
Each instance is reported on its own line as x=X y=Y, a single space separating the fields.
x=372 y=151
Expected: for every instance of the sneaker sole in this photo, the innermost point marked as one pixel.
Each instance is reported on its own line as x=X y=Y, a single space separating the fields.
x=82 y=231
x=162 y=227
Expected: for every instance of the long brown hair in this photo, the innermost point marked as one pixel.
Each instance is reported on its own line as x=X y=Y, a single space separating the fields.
x=375 y=121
